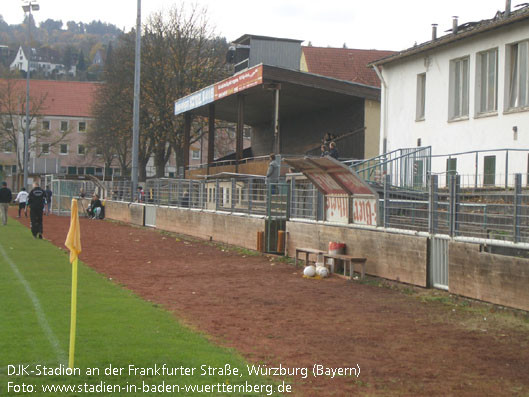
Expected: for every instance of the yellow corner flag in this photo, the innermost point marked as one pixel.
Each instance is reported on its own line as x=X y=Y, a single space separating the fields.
x=73 y=243
x=73 y=240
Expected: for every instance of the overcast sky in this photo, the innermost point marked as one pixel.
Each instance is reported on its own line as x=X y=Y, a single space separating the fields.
x=375 y=24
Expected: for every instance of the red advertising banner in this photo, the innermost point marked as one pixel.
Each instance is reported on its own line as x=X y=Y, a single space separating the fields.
x=239 y=82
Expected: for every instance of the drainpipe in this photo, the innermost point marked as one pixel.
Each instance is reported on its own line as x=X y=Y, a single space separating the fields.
x=384 y=117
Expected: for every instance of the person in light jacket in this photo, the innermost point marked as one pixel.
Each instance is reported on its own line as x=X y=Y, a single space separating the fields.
x=272 y=175
x=22 y=199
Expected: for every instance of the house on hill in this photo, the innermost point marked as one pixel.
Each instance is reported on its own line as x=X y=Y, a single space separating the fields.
x=43 y=60
x=466 y=92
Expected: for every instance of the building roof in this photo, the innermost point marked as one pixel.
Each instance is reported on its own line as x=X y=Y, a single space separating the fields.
x=344 y=63
x=245 y=39
x=464 y=31
x=61 y=98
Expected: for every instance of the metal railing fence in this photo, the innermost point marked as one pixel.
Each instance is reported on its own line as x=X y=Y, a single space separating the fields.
x=458 y=209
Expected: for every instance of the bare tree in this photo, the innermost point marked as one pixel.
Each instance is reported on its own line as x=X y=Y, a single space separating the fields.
x=181 y=54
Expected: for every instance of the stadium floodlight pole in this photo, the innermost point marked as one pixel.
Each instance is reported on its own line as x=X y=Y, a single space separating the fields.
x=28 y=6
x=136 y=109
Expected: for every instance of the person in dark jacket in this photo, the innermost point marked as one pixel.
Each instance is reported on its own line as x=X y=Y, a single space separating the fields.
x=36 y=201
x=5 y=198
x=95 y=207
x=49 y=193
x=333 y=152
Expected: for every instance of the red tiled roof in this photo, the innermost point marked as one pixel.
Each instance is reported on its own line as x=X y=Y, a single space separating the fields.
x=344 y=63
x=62 y=98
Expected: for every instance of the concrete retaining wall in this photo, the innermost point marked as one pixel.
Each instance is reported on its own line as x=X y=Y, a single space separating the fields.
x=125 y=212
x=499 y=279
x=392 y=256
x=494 y=278
x=225 y=228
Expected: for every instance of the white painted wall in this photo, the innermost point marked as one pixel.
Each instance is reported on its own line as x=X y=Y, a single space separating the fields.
x=493 y=131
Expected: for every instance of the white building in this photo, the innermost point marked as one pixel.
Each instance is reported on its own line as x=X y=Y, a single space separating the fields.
x=467 y=91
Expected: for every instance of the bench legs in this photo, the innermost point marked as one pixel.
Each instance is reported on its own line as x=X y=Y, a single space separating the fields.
x=351 y=269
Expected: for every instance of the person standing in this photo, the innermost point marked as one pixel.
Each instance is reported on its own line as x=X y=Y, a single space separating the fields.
x=22 y=199
x=5 y=198
x=36 y=200
x=49 y=193
x=272 y=175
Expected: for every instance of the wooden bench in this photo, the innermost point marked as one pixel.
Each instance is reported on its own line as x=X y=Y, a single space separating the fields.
x=347 y=260
x=307 y=252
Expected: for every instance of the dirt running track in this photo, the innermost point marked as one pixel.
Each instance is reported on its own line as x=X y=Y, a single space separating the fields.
x=269 y=313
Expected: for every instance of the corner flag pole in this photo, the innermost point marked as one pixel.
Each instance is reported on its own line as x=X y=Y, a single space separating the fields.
x=73 y=243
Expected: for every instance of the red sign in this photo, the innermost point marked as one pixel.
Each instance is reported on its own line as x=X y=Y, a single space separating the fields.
x=239 y=82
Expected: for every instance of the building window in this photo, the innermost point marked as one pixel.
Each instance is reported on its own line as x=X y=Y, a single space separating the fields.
x=487 y=81
x=80 y=170
x=99 y=151
x=80 y=150
x=82 y=126
x=63 y=149
x=72 y=170
x=46 y=125
x=8 y=147
x=45 y=148
x=195 y=154
x=64 y=126
x=518 y=75
x=421 y=95
x=459 y=77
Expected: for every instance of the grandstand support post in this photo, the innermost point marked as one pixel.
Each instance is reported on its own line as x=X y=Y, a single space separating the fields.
x=432 y=204
x=517 y=206
x=187 y=139
x=387 y=182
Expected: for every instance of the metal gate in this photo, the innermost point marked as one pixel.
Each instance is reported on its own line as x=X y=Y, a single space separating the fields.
x=439 y=262
x=150 y=215
x=277 y=213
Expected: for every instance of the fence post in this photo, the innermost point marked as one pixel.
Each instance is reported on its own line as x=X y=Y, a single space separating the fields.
x=217 y=194
x=201 y=201
x=385 y=218
x=250 y=194
x=517 y=206
x=233 y=194
x=455 y=183
x=476 y=176
x=293 y=196
x=432 y=203
x=190 y=194
x=506 y=169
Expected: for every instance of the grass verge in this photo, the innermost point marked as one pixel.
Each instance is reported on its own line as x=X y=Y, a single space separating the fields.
x=122 y=344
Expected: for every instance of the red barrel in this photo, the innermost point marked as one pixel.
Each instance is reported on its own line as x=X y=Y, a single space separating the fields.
x=336 y=248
